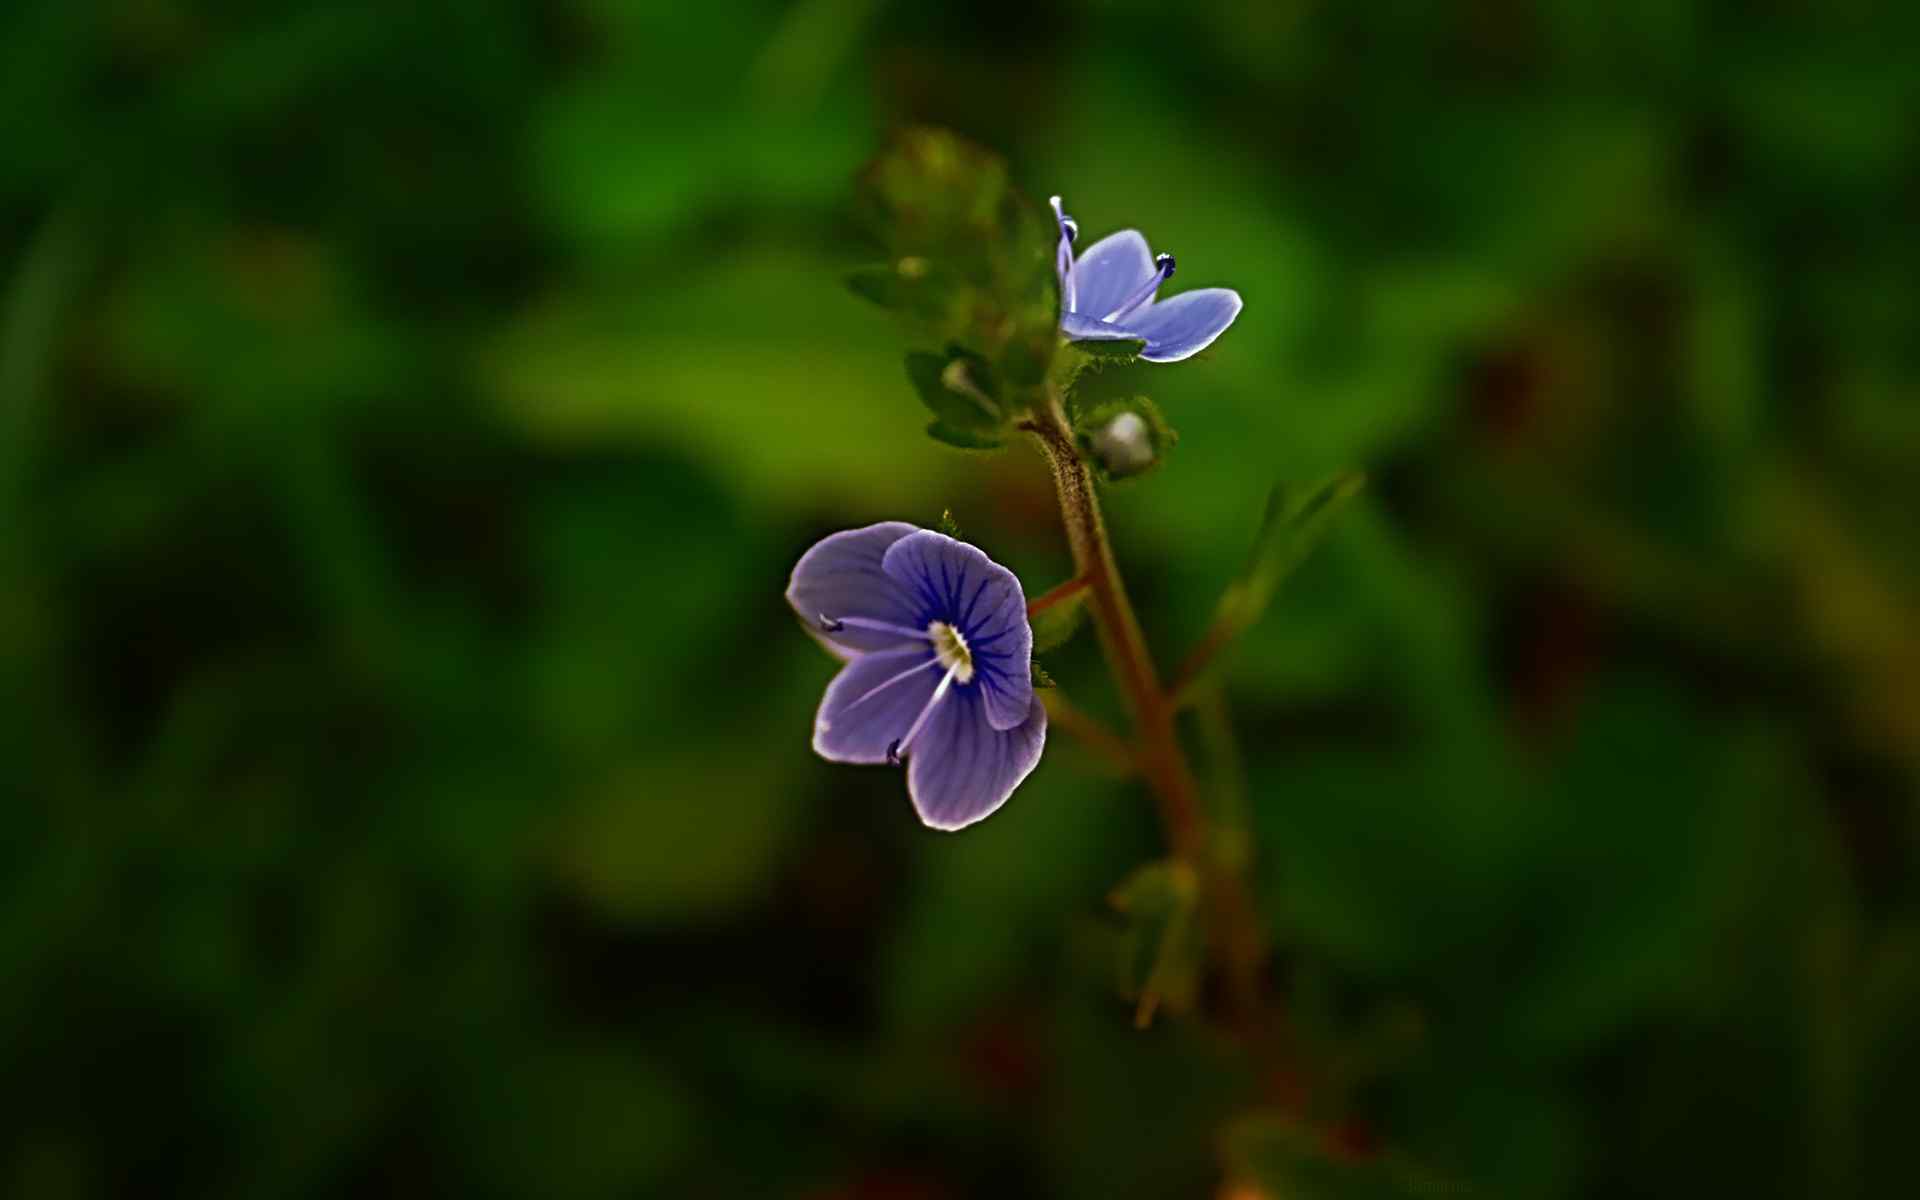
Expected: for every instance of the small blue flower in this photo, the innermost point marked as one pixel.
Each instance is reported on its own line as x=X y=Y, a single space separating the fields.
x=939 y=665
x=1107 y=295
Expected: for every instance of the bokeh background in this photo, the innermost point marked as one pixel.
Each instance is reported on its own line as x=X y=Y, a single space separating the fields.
x=409 y=414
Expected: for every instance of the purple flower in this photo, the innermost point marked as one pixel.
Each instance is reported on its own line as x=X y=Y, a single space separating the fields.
x=1107 y=295
x=939 y=665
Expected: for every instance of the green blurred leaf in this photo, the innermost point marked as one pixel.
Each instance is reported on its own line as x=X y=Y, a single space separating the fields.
x=962 y=438
x=959 y=389
x=1295 y=521
x=1091 y=379
x=1119 y=350
x=1163 y=948
x=879 y=284
x=970 y=256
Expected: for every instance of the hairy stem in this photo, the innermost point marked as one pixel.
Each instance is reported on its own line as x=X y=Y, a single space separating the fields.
x=1162 y=760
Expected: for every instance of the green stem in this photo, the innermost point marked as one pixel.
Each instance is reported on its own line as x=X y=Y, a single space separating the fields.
x=1162 y=760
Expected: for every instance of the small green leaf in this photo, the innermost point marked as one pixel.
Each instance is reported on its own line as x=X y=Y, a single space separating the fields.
x=971 y=256
x=1040 y=677
x=963 y=439
x=948 y=525
x=1124 y=350
x=879 y=284
x=1091 y=379
x=956 y=388
x=1296 y=520
x=1163 y=950
x=1059 y=621
x=1025 y=358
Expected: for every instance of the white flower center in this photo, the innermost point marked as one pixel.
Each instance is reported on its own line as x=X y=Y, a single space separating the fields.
x=951 y=649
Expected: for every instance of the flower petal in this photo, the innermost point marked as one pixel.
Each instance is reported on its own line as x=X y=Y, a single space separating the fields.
x=1080 y=328
x=1184 y=325
x=1111 y=271
x=961 y=768
x=855 y=723
x=956 y=583
x=841 y=577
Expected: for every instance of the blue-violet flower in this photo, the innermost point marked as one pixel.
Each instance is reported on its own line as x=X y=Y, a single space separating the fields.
x=938 y=665
x=1107 y=294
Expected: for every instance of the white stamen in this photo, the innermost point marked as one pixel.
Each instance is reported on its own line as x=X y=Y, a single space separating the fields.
x=1063 y=255
x=899 y=747
x=875 y=690
x=836 y=624
x=950 y=650
x=1163 y=271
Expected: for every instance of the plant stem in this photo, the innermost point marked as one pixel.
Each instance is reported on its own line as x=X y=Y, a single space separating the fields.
x=1065 y=591
x=1162 y=760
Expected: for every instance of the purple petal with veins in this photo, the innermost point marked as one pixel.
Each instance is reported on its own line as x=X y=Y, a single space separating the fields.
x=1182 y=326
x=968 y=590
x=840 y=577
x=871 y=702
x=1107 y=294
x=939 y=670
x=1111 y=270
x=963 y=770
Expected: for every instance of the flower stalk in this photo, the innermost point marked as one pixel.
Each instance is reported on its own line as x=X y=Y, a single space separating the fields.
x=1161 y=758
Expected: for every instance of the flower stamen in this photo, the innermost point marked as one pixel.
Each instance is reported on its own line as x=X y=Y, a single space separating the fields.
x=950 y=650
x=875 y=690
x=837 y=624
x=1144 y=293
x=1063 y=254
x=899 y=745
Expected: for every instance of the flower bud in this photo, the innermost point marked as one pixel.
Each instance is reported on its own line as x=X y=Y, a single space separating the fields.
x=1125 y=445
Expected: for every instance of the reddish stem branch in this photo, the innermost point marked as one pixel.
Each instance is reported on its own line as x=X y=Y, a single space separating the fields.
x=1162 y=760
x=1066 y=591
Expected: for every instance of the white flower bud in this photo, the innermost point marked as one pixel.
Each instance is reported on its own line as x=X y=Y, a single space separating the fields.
x=1125 y=445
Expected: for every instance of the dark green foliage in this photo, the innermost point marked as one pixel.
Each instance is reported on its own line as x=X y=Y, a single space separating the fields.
x=959 y=388
x=969 y=258
x=409 y=415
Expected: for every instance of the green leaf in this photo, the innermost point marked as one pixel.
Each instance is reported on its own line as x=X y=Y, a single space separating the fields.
x=959 y=388
x=1091 y=375
x=970 y=257
x=948 y=525
x=1295 y=522
x=880 y=284
x=1123 y=350
x=1059 y=621
x=1162 y=951
x=1040 y=677
x=963 y=439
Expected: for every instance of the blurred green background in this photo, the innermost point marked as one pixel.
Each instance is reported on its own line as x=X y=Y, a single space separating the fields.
x=409 y=414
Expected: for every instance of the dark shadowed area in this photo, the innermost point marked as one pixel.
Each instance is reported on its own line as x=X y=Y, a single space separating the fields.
x=410 y=414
